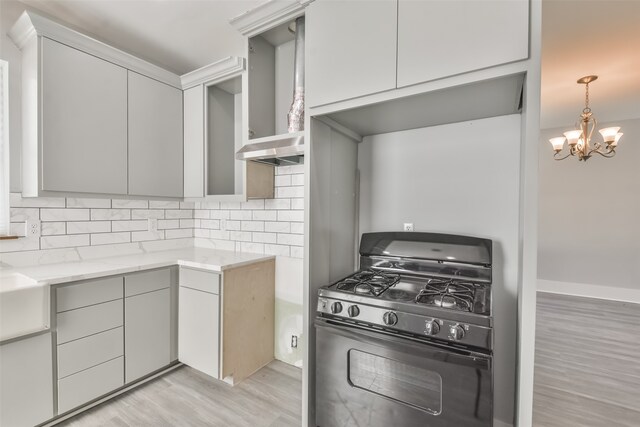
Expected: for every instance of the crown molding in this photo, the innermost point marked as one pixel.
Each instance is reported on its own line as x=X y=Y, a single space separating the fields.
x=268 y=15
x=31 y=24
x=216 y=71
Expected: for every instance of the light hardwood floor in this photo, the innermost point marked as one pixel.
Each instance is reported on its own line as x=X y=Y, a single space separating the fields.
x=587 y=366
x=185 y=397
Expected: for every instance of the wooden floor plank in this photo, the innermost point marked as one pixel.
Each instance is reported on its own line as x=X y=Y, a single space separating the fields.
x=185 y=397
x=587 y=366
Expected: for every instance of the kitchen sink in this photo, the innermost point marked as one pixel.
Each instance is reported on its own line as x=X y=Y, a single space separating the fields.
x=24 y=306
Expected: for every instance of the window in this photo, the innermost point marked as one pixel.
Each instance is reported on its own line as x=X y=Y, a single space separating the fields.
x=4 y=148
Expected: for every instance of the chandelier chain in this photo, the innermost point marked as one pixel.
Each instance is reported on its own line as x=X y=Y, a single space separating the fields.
x=586 y=100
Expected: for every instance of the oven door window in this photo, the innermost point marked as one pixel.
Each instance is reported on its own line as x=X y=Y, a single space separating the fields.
x=410 y=385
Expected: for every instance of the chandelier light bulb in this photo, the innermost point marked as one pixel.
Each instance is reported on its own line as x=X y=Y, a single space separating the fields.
x=557 y=143
x=616 y=139
x=573 y=136
x=609 y=134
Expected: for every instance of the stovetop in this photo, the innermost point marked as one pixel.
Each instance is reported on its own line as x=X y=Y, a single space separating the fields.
x=443 y=293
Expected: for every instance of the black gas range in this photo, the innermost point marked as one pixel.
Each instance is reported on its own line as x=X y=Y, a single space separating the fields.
x=414 y=328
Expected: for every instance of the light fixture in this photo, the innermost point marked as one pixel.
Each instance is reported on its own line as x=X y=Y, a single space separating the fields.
x=579 y=140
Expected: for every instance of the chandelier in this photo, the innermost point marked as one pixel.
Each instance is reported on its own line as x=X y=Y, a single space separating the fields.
x=579 y=140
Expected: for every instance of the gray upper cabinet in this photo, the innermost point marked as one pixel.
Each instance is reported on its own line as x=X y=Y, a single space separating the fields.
x=443 y=38
x=155 y=138
x=350 y=49
x=84 y=122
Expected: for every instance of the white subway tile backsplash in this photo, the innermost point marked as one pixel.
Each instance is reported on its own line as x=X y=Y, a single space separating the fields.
x=265 y=237
x=187 y=223
x=216 y=214
x=24 y=214
x=17 y=201
x=283 y=192
x=230 y=205
x=187 y=205
x=297 y=179
x=254 y=248
x=84 y=227
x=88 y=203
x=213 y=224
x=240 y=215
x=164 y=224
x=177 y=214
x=19 y=245
x=143 y=236
x=219 y=234
x=110 y=238
x=147 y=213
x=209 y=205
x=201 y=214
x=265 y=215
x=129 y=204
x=297 y=227
x=283 y=180
x=178 y=233
x=163 y=204
x=53 y=214
x=201 y=233
x=277 y=227
x=253 y=204
x=110 y=214
x=280 y=250
x=291 y=216
x=297 y=204
x=277 y=204
x=231 y=225
x=240 y=236
x=252 y=226
x=53 y=228
x=135 y=225
x=297 y=252
x=65 y=241
x=290 y=239
x=18 y=229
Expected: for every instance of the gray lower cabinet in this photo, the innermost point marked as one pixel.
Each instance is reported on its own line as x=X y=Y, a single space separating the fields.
x=147 y=333
x=26 y=388
x=89 y=384
x=155 y=138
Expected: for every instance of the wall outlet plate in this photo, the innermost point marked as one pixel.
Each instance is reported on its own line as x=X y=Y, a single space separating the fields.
x=33 y=228
x=152 y=224
x=294 y=341
x=408 y=226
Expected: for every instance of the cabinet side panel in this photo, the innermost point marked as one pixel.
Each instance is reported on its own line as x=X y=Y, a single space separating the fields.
x=248 y=319
x=84 y=122
x=194 y=142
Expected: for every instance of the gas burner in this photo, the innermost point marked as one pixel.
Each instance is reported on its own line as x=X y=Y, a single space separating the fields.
x=448 y=294
x=368 y=282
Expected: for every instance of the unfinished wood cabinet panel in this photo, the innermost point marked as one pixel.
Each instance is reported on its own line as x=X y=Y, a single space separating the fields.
x=260 y=181
x=248 y=305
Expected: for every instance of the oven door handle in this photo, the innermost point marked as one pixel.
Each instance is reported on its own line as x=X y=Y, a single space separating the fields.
x=430 y=350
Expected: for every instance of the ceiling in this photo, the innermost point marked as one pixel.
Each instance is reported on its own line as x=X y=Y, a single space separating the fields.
x=579 y=37
x=582 y=37
x=178 y=35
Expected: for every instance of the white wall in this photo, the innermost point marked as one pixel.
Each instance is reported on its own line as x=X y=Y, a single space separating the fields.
x=589 y=219
x=461 y=178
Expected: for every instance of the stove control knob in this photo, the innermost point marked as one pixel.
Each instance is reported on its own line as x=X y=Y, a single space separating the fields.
x=431 y=328
x=456 y=332
x=390 y=318
x=336 y=307
x=353 y=311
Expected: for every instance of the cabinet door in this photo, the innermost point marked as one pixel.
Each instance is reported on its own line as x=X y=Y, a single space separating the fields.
x=198 y=330
x=442 y=38
x=84 y=122
x=147 y=332
x=26 y=385
x=155 y=138
x=350 y=49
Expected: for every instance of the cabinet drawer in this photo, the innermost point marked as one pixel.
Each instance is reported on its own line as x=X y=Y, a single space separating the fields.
x=88 y=293
x=87 y=321
x=205 y=281
x=93 y=350
x=87 y=385
x=148 y=281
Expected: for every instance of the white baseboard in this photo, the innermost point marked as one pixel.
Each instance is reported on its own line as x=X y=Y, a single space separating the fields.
x=590 y=291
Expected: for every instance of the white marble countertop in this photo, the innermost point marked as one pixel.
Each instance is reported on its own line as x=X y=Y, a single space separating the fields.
x=50 y=274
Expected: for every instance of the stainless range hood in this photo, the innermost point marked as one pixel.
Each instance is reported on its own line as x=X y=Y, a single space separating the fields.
x=279 y=150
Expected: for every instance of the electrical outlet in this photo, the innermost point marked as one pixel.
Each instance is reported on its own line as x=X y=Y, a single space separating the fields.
x=33 y=228
x=152 y=224
x=408 y=226
x=294 y=341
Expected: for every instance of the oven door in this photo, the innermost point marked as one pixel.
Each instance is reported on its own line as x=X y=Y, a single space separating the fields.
x=373 y=378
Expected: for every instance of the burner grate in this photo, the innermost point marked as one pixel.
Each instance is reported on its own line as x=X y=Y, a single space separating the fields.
x=368 y=282
x=447 y=293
